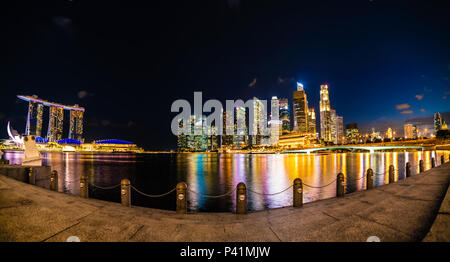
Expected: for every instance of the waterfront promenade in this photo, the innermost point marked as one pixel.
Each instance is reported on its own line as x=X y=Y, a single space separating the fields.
x=402 y=211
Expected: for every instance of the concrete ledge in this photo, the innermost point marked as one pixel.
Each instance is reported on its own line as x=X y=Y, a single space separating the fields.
x=440 y=230
x=403 y=211
x=19 y=172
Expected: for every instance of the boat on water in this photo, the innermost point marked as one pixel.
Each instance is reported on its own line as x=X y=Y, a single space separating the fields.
x=68 y=149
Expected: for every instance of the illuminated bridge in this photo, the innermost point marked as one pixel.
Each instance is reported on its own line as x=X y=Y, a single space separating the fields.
x=56 y=118
x=371 y=149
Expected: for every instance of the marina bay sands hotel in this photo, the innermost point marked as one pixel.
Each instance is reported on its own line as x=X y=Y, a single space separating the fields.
x=56 y=117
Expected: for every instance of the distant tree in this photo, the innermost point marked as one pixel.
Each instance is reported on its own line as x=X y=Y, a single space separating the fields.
x=386 y=139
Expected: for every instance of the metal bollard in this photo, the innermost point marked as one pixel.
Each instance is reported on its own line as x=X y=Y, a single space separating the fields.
x=298 y=192
x=84 y=193
x=391 y=174
x=433 y=162
x=54 y=180
x=181 y=198
x=408 y=169
x=340 y=190
x=241 y=199
x=369 y=180
x=421 y=166
x=125 y=192
x=442 y=160
x=31 y=176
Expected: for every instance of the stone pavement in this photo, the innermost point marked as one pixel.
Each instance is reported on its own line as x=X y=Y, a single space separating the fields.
x=402 y=211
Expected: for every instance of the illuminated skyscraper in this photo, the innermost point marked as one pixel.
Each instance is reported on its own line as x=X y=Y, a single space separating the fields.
x=240 y=137
x=34 y=119
x=409 y=131
x=182 y=139
x=389 y=133
x=340 y=130
x=76 y=125
x=352 y=133
x=437 y=122
x=56 y=116
x=205 y=140
x=55 y=124
x=333 y=126
x=285 y=116
x=325 y=114
x=312 y=121
x=228 y=124
x=300 y=110
x=275 y=122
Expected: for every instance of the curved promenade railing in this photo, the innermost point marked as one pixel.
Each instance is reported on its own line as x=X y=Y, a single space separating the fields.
x=182 y=188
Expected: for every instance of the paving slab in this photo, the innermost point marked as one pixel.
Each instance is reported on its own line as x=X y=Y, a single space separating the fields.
x=402 y=211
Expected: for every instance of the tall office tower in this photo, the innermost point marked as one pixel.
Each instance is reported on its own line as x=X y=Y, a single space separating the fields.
x=259 y=121
x=300 y=110
x=352 y=133
x=437 y=122
x=201 y=137
x=240 y=137
x=228 y=124
x=284 y=116
x=55 y=123
x=76 y=125
x=409 y=131
x=34 y=119
x=312 y=121
x=340 y=130
x=333 y=126
x=325 y=114
x=210 y=135
x=275 y=122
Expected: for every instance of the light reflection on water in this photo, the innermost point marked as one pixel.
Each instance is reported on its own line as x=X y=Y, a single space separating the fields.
x=216 y=174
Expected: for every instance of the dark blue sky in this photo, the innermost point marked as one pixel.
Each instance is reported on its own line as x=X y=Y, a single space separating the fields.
x=384 y=61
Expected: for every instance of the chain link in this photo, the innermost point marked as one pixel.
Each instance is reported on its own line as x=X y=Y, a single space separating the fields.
x=148 y=195
x=210 y=196
x=270 y=194
x=320 y=186
x=250 y=190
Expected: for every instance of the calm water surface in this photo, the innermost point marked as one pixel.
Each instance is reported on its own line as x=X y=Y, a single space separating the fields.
x=216 y=174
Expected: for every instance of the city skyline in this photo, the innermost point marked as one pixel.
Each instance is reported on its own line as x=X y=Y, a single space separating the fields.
x=301 y=110
x=128 y=72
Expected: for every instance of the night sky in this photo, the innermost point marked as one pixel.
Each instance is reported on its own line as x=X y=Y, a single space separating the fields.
x=384 y=61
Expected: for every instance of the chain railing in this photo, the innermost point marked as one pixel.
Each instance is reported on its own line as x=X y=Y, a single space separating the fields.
x=241 y=190
x=363 y=176
x=104 y=188
x=212 y=196
x=152 y=196
x=270 y=194
x=320 y=186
